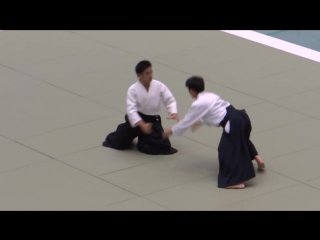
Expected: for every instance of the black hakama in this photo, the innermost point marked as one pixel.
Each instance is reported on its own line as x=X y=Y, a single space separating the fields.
x=152 y=144
x=235 y=150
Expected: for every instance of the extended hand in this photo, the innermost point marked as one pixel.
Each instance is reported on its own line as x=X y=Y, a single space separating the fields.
x=174 y=116
x=166 y=133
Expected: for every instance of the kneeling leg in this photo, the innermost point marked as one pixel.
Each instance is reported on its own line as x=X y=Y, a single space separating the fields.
x=122 y=138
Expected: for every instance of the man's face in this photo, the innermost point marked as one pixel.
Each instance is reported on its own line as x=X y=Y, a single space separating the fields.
x=146 y=76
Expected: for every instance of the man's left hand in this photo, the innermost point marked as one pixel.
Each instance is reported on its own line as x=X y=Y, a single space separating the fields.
x=167 y=133
x=174 y=116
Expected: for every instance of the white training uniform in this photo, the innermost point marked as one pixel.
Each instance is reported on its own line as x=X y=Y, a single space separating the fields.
x=148 y=102
x=208 y=108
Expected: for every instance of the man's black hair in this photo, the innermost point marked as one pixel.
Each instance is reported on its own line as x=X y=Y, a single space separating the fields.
x=195 y=83
x=142 y=65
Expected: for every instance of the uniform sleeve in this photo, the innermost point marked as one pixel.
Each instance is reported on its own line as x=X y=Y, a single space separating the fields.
x=195 y=113
x=132 y=109
x=169 y=100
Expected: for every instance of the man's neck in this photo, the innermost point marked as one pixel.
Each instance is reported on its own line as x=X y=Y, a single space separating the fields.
x=147 y=86
x=198 y=94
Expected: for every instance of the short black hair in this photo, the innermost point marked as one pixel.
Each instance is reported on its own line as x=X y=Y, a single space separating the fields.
x=195 y=83
x=142 y=65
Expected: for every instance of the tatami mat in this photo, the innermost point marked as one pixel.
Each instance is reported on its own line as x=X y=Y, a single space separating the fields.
x=62 y=92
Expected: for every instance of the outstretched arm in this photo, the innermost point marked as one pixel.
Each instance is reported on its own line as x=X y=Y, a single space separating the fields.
x=195 y=114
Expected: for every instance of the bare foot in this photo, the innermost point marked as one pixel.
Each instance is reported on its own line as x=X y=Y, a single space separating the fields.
x=260 y=162
x=238 y=186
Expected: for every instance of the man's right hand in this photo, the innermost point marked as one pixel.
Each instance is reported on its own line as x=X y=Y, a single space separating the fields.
x=145 y=127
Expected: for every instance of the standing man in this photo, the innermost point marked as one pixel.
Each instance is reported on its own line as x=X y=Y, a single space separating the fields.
x=235 y=149
x=142 y=119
